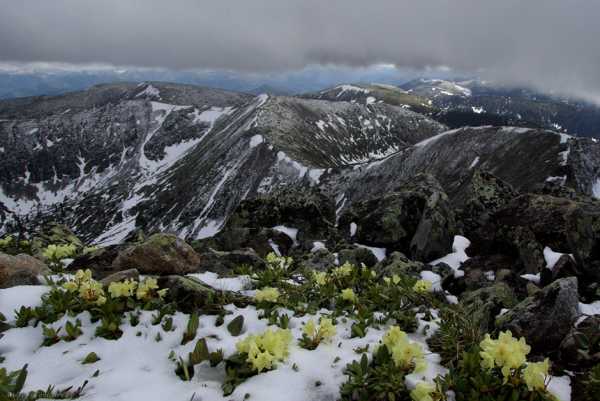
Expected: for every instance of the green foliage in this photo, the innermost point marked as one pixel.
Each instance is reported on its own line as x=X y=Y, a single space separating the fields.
x=591 y=384
x=12 y=246
x=51 y=336
x=90 y=358
x=201 y=353
x=458 y=331
x=73 y=330
x=11 y=385
x=191 y=329
x=470 y=382
x=377 y=380
x=235 y=326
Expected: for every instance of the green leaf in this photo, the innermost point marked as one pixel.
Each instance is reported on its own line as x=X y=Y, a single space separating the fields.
x=90 y=358
x=235 y=326
x=200 y=352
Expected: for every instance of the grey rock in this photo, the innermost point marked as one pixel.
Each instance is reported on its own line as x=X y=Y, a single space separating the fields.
x=21 y=270
x=545 y=318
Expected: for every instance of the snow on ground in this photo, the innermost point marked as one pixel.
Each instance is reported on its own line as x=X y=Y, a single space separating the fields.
x=318 y=245
x=590 y=309
x=256 y=140
x=534 y=278
x=136 y=366
x=474 y=162
x=237 y=283
x=351 y=88
x=552 y=257
x=457 y=257
x=434 y=278
x=595 y=189
x=353 y=228
x=11 y=299
x=435 y=138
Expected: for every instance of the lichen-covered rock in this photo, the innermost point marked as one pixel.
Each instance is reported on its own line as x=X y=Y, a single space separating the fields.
x=262 y=240
x=307 y=210
x=20 y=270
x=357 y=256
x=99 y=261
x=190 y=294
x=161 y=254
x=545 y=318
x=415 y=219
x=226 y=262
x=131 y=274
x=319 y=260
x=398 y=263
x=486 y=303
x=581 y=347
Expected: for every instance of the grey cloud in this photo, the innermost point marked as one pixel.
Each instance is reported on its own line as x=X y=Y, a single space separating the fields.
x=549 y=43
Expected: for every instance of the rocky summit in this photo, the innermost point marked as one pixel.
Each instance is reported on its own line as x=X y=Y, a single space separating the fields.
x=186 y=217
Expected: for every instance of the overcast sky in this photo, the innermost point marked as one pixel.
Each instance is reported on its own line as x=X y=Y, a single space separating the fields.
x=554 y=44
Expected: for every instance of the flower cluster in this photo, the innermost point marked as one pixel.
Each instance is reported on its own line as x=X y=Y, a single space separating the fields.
x=92 y=291
x=405 y=354
x=279 y=262
x=535 y=375
x=320 y=278
x=267 y=294
x=6 y=242
x=323 y=332
x=344 y=270
x=423 y=392
x=349 y=295
x=506 y=353
x=88 y=289
x=395 y=279
x=263 y=350
x=422 y=287
x=58 y=252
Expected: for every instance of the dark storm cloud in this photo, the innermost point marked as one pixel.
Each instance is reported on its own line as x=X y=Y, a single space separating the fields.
x=550 y=43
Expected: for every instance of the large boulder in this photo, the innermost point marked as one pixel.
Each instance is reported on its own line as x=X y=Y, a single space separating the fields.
x=160 y=254
x=581 y=347
x=398 y=263
x=232 y=238
x=545 y=318
x=99 y=261
x=486 y=303
x=416 y=219
x=20 y=270
x=357 y=256
x=530 y=222
x=226 y=262
x=306 y=210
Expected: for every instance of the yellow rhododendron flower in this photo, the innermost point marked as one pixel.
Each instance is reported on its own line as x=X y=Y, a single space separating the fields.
x=265 y=349
x=349 y=295
x=122 y=289
x=58 y=252
x=422 y=392
x=535 y=375
x=90 y=291
x=70 y=286
x=267 y=294
x=101 y=300
x=344 y=270
x=281 y=262
x=422 y=286
x=396 y=279
x=83 y=275
x=146 y=288
x=324 y=331
x=405 y=354
x=320 y=278
x=162 y=293
x=506 y=352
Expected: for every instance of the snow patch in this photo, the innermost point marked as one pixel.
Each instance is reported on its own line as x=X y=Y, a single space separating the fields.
x=256 y=140
x=378 y=252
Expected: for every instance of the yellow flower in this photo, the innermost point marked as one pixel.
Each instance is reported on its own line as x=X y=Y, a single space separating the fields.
x=278 y=262
x=405 y=354
x=310 y=328
x=83 y=275
x=344 y=270
x=264 y=349
x=70 y=286
x=101 y=300
x=535 y=375
x=422 y=392
x=146 y=288
x=162 y=293
x=267 y=294
x=58 y=252
x=422 y=286
x=349 y=295
x=387 y=280
x=320 y=278
x=506 y=352
x=90 y=291
x=327 y=329
x=395 y=279
x=123 y=289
